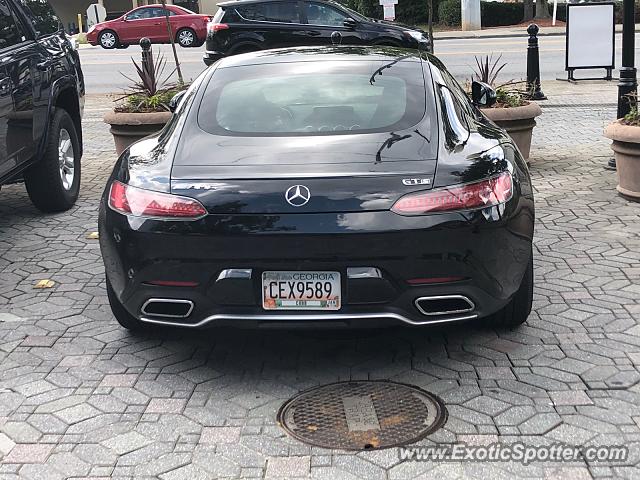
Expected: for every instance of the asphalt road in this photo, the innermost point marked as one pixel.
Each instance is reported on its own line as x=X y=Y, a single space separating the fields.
x=103 y=68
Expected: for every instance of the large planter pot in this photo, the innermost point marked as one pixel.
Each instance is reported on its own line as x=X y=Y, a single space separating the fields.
x=518 y=122
x=128 y=128
x=626 y=150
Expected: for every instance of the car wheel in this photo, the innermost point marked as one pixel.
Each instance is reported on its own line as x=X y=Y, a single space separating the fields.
x=108 y=39
x=124 y=318
x=186 y=38
x=53 y=183
x=518 y=309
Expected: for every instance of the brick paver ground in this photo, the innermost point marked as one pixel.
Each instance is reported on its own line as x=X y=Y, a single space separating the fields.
x=81 y=397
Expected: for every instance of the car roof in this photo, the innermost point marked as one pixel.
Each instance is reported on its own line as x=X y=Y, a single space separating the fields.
x=155 y=5
x=325 y=53
x=245 y=2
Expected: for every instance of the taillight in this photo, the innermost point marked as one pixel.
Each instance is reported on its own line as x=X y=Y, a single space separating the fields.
x=138 y=202
x=216 y=27
x=486 y=193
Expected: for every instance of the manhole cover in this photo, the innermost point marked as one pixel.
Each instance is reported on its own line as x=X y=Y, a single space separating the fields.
x=363 y=415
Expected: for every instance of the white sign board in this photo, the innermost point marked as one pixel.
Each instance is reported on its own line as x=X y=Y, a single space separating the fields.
x=386 y=3
x=389 y=12
x=590 y=36
x=96 y=13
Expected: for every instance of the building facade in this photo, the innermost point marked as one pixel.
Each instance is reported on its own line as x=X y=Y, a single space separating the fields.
x=68 y=10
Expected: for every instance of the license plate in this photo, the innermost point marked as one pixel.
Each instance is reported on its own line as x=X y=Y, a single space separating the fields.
x=301 y=290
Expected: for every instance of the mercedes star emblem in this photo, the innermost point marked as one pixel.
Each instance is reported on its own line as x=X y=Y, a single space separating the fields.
x=297 y=196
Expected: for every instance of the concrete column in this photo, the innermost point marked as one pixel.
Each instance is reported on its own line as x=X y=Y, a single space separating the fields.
x=471 y=15
x=208 y=6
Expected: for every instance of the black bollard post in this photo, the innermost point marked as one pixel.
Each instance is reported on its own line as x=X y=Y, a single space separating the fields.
x=147 y=56
x=628 y=84
x=533 y=64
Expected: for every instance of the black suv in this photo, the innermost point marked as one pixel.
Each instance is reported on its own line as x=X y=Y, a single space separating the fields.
x=247 y=25
x=41 y=102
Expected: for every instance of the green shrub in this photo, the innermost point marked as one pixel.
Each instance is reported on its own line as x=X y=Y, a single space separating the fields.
x=496 y=14
x=562 y=12
x=414 y=12
x=368 y=8
x=449 y=12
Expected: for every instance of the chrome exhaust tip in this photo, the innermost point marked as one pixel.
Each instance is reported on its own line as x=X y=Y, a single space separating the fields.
x=167 y=308
x=442 y=305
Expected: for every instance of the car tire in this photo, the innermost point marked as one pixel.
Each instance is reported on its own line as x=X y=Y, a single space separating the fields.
x=518 y=309
x=108 y=39
x=187 y=38
x=124 y=318
x=53 y=183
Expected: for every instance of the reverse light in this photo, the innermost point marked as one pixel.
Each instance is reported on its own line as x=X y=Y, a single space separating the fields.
x=138 y=202
x=216 y=27
x=486 y=193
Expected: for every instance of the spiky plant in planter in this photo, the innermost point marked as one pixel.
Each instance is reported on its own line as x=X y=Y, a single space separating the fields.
x=508 y=95
x=625 y=133
x=513 y=111
x=144 y=108
x=151 y=91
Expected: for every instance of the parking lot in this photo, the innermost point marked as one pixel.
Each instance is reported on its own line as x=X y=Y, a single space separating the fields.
x=81 y=397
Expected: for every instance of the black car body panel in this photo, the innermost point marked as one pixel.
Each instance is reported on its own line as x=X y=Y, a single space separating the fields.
x=248 y=26
x=39 y=72
x=346 y=227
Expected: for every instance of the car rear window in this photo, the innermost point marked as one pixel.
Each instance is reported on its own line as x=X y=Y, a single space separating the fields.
x=283 y=12
x=314 y=98
x=217 y=18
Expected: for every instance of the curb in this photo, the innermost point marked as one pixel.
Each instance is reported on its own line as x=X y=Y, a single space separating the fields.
x=499 y=35
x=478 y=35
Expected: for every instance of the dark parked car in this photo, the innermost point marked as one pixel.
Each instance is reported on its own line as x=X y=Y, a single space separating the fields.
x=149 y=21
x=41 y=102
x=249 y=25
x=321 y=186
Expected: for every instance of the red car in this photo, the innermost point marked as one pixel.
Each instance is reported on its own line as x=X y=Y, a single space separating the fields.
x=190 y=29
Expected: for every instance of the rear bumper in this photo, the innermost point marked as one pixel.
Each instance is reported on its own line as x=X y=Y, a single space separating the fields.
x=210 y=57
x=487 y=257
x=312 y=321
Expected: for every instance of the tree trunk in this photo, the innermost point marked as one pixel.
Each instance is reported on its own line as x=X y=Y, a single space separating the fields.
x=172 y=41
x=431 y=39
x=528 y=11
x=542 y=9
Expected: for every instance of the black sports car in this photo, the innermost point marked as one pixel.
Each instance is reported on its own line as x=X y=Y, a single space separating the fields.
x=327 y=186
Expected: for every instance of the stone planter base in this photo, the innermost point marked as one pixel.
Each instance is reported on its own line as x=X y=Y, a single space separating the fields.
x=128 y=128
x=518 y=122
x=626 y=150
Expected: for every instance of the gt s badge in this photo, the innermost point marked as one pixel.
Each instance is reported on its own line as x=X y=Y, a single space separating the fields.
x=416 y=181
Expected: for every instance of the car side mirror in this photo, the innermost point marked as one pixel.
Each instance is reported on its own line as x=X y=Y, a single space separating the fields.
x=349 y=23
x=174 y=103
x=482 y=94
